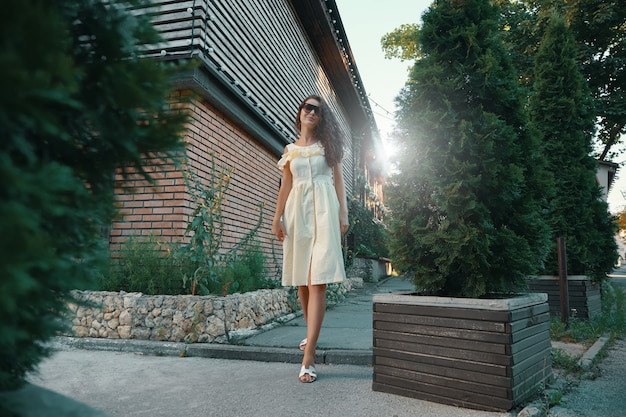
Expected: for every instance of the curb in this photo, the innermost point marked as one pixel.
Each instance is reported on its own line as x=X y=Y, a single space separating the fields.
x=537 y=408
x=361 y=357
x=590 y=355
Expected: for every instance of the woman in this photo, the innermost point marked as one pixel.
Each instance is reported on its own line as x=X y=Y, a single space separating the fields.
x=311 y=215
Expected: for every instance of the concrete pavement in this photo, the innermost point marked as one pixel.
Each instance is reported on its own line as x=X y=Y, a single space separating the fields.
x=258 y=377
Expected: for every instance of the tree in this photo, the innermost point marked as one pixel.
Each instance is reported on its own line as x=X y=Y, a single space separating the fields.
x=561 y=108
x=465 y=203
x=599 y=28
x=77 y=103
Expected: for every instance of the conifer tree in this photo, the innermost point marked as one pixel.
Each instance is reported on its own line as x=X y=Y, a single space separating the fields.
x=77 y=103
x=467 y=196
x=561 y=108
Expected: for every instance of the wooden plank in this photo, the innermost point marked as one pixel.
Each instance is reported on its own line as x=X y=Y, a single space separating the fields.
x=520 y=371
x=528 y=342
x=442 y=341
x=529 y=331
x=473 y=366
x=397 y=390
x=522 y=313
x=443 y=382
x=530 y=385
x=441 y=322
x=449 y=312
x=538 y=349
x=459 y=397
x=520 y=325
x=465 y=334
x=383 y=362
x=460 y=353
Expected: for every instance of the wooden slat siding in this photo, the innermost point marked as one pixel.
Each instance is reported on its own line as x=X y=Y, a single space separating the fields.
x=584 y=296
x=522 y=313
x=538 y=334
x=256 y=73
x=519 y=372
x=442 y=322
x=449 y=396
x=441 y=331
x=438 y=380
x=486 y=374
x=445 y=371
x=391 y=389
x=452 y=363
x=168 y=17
x=442 y=341
x=531 y=372
x=269 y=77
x=529 y=331
x=460 y=353
x=524 y=323
x=431 y=311
x=292 y=71
x=531 y=350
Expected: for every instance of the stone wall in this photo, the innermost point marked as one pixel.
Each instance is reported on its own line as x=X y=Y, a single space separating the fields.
x=202 y=319
x=371 y=269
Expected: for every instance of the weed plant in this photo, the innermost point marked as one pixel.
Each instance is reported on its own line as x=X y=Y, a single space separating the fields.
x=610 y=321
x=143 y=265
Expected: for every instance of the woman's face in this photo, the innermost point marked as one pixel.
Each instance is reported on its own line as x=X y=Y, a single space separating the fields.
x=311 y=113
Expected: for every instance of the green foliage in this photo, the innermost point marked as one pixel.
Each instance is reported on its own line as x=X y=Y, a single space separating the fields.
x=202 y=259
x=246 y=272
x=562 y=360
x=206 y=265
x=599 y=28
x=402 y=43
x=467 y=196
x=143 y=265
x=611 y=321
x=76 y=104
x=561 y=108
x=369 y=236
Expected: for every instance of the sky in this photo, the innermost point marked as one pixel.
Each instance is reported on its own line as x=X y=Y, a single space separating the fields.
x=382 y=78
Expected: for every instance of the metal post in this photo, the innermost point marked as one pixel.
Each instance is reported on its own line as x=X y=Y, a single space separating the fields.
x=563 y=288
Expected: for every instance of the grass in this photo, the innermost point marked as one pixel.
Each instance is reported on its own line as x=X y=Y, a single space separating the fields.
x=611 y=321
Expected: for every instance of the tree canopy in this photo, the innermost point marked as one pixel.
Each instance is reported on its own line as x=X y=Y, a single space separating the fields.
x=465 y=200
x=562 y=110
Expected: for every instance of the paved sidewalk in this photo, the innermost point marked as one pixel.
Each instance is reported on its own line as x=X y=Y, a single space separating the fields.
x=123 y=379
x=259 y=377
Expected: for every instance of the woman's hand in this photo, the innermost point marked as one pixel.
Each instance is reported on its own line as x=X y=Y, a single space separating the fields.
x=343 y=223
x=278 y=229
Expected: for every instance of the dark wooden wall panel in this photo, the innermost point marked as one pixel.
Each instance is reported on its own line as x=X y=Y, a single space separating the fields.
x=584 y=295
x=477 y=358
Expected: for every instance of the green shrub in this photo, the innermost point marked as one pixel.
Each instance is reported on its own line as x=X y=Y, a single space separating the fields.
x=77 y=104
x=143 y=265
x=246 y=272
x=611 y=320
x=368 y=237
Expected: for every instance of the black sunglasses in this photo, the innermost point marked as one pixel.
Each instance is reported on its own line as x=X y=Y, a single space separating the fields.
x=308 y=108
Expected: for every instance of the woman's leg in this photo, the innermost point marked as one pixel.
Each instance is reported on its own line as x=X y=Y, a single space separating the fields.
x=316 y=307
x=303 y=295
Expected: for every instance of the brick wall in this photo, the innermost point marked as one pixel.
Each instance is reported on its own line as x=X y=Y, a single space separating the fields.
x=163 y=209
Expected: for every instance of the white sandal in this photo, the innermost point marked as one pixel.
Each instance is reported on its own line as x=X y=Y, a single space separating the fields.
x=310 y=371
x=302 y=344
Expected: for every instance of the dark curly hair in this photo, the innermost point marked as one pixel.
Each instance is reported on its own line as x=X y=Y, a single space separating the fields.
x=327 y=131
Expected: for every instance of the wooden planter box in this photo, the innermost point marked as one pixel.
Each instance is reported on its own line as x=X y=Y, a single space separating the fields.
x=584 y=295
x=475 y=353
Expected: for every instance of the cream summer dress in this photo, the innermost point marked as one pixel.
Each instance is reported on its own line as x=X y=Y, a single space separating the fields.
x=311 y=219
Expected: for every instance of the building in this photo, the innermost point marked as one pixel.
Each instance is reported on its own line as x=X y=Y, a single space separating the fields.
x=257 y=61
